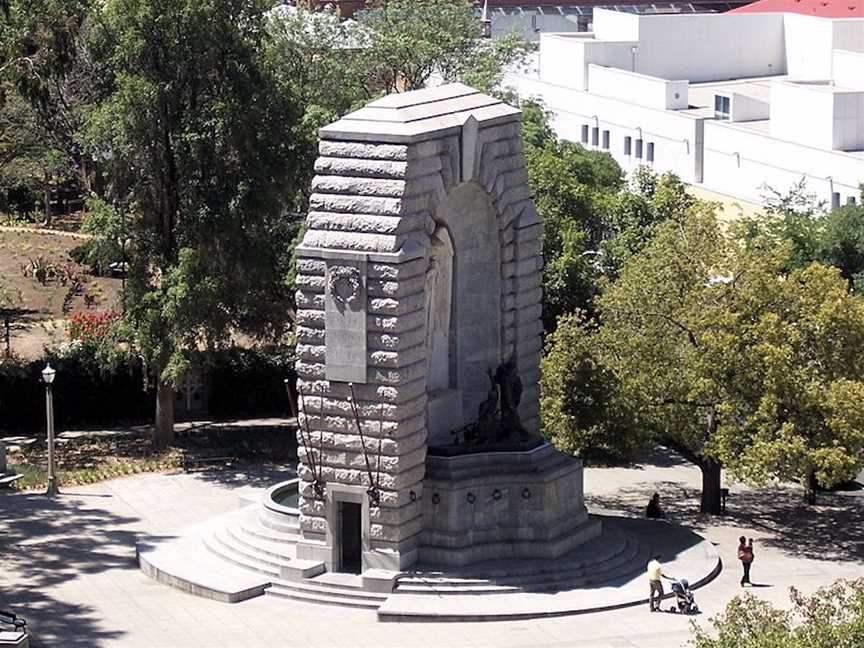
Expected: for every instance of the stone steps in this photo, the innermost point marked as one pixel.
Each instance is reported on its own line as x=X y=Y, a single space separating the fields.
x=257 y=545
x=253 y=527
x=329 y=589
x=627 y=558
x=278 y=522
x=609 y=545
x=224 y=546
x=323 y=598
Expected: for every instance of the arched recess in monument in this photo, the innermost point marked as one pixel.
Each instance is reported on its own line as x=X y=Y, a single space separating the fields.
x=463 y=326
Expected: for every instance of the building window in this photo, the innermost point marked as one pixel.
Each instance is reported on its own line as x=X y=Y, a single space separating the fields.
x=639 y=148
x=627 y=143
x=649 y=154
x=584 y=133
x=605 y=139
x=595 y=136
x=835 y=200
x=850 y=200
x=722 y=107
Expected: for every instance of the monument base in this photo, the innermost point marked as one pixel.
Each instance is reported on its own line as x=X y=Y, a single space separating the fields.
x=490 y=505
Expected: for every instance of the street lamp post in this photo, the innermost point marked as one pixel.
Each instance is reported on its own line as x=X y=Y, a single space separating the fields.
x=48 y=374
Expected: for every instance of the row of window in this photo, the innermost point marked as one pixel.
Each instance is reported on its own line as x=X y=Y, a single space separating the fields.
x=594 y=133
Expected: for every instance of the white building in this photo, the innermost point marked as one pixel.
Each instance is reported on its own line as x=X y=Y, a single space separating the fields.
x=729 y=102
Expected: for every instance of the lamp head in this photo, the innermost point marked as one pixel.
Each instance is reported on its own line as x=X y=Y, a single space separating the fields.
x=48 y=374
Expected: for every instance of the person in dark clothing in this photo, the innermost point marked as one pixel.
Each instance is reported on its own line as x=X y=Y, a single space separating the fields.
x=745 y=555
x=653 y=509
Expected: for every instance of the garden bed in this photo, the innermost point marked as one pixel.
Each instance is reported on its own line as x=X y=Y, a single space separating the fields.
x=85 y=460
x=37 y=267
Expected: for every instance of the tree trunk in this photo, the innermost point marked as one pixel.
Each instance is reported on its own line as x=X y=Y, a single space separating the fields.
x=8 y=335
x=47 y=195
x=163 y=432
x=811 y=487
x=710 y=502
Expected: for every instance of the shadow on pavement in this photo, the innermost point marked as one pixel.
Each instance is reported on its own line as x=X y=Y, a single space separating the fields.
x=826 y=531
x=44 y=543
x=254 y=475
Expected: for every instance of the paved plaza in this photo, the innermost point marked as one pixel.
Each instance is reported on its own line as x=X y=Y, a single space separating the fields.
x=68 y=565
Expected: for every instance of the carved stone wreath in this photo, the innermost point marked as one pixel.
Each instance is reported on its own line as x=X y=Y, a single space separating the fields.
x=344 y=284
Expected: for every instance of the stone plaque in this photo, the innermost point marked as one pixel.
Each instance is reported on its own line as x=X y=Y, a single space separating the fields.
x=345 y=321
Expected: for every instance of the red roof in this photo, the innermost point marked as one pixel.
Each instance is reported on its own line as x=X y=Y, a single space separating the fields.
x=823 y=8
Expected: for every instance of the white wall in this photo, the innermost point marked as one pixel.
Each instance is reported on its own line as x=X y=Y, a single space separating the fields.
x=737 y=161
x=849 y=69
x=848 y=122
x=849 y=34
x=746 y=108
x=615 y=25
x=637 y=88
x=802 y=113
x=711 y=47
x=808 y=46
x=674 y=134
x=564 y=58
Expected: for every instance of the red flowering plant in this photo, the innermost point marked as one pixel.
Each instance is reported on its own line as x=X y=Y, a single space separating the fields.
x=92 y=328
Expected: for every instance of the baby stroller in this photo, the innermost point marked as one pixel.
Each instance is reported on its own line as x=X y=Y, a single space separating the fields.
x=684 y=597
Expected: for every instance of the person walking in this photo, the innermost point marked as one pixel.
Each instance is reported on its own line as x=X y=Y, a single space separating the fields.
x=745 y=555
x=655 y=574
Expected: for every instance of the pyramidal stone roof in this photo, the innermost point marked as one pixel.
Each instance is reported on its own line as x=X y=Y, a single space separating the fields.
x=406 y=117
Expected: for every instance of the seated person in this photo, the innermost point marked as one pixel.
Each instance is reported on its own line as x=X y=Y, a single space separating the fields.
x=653 y=509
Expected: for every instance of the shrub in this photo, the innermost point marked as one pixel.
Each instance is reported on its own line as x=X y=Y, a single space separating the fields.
x=250 y=382
x=84 y=394
x=92 y=328
x=832 y=618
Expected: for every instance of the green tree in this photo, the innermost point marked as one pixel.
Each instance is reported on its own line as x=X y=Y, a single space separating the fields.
x=570 y=186
x=798 y=219
x=581 y=405
x=45 y=59
x=833 y=617
x=32 y=162
x=321 y=60
x=197 y=136
x=410 y=40
x=841 y=243
x=736 y=363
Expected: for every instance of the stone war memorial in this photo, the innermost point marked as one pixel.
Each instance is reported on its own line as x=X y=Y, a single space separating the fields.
x=422 y=469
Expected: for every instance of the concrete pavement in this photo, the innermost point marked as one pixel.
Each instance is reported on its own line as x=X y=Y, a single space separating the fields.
x=68 y=566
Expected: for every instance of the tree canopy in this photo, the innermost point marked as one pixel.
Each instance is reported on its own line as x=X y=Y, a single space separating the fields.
x=583 y=410
x=197 y=141
x=799 y=220
x=594 y=220
x=735 y=362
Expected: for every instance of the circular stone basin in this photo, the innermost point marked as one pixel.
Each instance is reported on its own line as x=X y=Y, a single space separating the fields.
x=284 y=497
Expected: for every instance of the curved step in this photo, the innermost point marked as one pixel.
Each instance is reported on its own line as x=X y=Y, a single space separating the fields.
x=277 y=521
x=323 y=598
x=253 y=561
x=253 y=527
x=259 y=546
x=314 y=586
x=630 y=559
